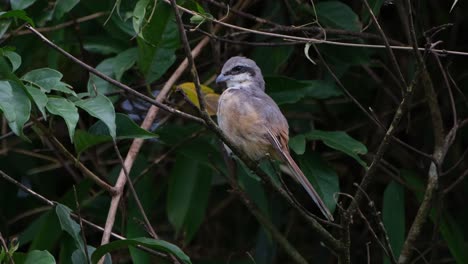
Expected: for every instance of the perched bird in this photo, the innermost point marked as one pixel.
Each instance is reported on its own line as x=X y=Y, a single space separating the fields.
x=253 y=121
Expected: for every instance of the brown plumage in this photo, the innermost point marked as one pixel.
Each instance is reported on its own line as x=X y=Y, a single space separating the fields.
x=253 y=121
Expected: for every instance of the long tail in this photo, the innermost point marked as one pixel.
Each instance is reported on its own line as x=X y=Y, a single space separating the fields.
x=302 y=179
x=282 y=150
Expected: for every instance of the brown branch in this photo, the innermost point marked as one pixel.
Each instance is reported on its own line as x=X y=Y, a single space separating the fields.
x=441 y=145
x=329 y=239
x=137 y=143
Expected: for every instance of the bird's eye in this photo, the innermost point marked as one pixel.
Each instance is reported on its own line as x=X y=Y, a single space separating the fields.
x=237 y=69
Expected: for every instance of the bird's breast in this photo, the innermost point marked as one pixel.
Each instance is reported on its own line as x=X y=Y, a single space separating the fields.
x=241 y=121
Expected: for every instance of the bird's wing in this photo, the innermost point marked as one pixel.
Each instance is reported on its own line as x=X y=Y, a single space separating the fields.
x=279 y=141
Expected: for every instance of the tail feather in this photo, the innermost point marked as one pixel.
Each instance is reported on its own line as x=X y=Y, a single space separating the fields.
x=302 y=179
x=283 y=152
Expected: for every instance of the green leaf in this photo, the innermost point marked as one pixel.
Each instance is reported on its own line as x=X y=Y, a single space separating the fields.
x=187 y=197
x=159 y=245
x=15 y=105
x=97 y=84
x=39 y=98
x=298 y=144
x=4 y=26
x=21 y=4
x=288 y=91
x=6 y=103
x=124 y=61
x=44 y=78
x=394 y=217
x=340 y=141
x=126 y=128
x=276 y=59
x=14 y=58
x=139 y=14
x=70 y=226
x=67 y=110
x=64 y=6
x=19 y=14
x=78 y=258
x=322 y=176
x=99 y=133
x=148 y=194
x=84 y=140
x=335 y=14
x=252 y=185
x=39 y=257
x=101 y=108
x=158 y=43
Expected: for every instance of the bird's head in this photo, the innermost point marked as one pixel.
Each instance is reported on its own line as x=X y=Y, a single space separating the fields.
x=240 y=72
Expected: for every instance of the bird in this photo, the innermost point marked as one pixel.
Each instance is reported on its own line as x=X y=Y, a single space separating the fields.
x=253 y=121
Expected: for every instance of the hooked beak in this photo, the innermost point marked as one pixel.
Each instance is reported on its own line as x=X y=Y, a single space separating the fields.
x=221 y=78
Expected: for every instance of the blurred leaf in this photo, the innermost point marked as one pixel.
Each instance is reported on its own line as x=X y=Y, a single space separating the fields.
x=102 y=45
x=159 y=245
x=335 y=14
x=156 y=49
x=42 y=233
x=288 y=91
x=14 y=59
x=67 y=110
x=19 y=14
x=21 y=4
x=44 y=78
x=99 y=133
x=84 y=140
x=4 y=26
x=340 y=141
x=211 y=98
x=343 y=57
x=146 y=192
x=39 y=257
x=64 y=6
x=126 y=128
x=39 y=98
x=96 y=84
x=298 y=144
x=70 y=226
x=276 y=59
x=79 y=258
x=252 y=185
x=187 y=196
x=322 y=176
x=394 y=217
x=375 y=6
x=101 y=108
x=124 y=61
x=449 y=228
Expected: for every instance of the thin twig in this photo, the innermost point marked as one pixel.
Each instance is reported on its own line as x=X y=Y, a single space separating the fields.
x=149 y=227
x=5 y=247
x=80 y=220
x=314 y=40
x=114 y=82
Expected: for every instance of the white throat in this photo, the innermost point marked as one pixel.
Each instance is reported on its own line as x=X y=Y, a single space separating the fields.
x=236 y=84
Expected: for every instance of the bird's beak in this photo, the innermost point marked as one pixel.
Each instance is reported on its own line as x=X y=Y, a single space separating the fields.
x=221 y=78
